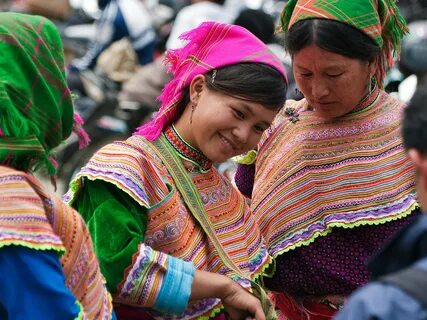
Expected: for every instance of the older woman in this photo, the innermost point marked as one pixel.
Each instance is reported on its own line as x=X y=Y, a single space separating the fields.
x=332 y=179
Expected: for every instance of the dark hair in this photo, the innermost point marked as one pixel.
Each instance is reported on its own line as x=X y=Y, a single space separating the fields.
x=333 y=36
x=414 y=128
x=221 y=2
x=255 y=82
x=260 y=23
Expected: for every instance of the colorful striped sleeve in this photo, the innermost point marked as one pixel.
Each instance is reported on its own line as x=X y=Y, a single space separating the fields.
x=135 y=273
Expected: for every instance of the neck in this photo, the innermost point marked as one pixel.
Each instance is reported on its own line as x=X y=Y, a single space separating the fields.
x=186 y=150
x=184 y=127
x=371 y=94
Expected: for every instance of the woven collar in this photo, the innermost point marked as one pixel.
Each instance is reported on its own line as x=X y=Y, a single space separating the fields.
x=368 y=101
x=186 y=151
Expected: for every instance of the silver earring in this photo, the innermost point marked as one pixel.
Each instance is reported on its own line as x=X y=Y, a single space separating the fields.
x=213 y=76
x=192 y=111
x=371 y=83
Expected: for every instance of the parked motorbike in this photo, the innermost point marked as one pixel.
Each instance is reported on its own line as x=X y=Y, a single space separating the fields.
x=106 y=119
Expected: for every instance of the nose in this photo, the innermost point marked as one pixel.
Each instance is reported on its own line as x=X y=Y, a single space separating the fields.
x=241 y=133
x=319 y=89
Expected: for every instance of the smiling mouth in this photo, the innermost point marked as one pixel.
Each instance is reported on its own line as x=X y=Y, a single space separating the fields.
x=324 y=103
x=228 y=142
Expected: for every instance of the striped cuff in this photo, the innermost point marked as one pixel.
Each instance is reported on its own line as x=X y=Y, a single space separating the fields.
x=176 y=288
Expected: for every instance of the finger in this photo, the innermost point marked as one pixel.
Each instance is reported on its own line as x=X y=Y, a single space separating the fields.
x=258 y=314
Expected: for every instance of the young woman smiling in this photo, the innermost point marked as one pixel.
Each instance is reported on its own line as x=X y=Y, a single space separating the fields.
x=137 y=195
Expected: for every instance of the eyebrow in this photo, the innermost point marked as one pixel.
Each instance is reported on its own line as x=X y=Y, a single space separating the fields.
x=300 y=67
x=332 y=67
x=247 y=108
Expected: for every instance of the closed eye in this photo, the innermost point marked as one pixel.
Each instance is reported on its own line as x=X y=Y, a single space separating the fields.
x=260 y=129
x=239 y=114
x=334 y=75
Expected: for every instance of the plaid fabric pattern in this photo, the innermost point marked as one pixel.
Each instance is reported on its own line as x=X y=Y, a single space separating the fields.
x=379 y=19
x=36 y=112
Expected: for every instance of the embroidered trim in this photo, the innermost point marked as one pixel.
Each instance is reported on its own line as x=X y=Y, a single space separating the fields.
x=186 y=151
x=368 y=101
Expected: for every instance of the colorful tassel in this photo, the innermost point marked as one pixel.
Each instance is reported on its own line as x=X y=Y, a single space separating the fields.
x=83 y=137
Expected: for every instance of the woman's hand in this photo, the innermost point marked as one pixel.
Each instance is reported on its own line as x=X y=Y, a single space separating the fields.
x=238 y=302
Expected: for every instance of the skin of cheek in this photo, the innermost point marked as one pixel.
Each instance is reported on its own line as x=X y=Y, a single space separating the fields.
x=342 y=93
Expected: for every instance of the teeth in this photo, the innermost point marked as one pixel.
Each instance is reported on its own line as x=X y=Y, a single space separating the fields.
x=227 y=142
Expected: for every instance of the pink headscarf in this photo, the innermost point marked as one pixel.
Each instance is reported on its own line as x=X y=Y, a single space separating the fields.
x=210 y=46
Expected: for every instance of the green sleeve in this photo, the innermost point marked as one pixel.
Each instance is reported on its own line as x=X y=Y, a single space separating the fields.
x=117 y=225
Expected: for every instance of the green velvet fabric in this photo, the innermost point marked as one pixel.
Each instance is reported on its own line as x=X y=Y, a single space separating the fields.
x=117 y=225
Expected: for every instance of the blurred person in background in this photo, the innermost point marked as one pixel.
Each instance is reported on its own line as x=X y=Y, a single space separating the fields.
x=192 y=15
x=260 y=23
x=53 y=9
x=119 y=19
x=145 y=86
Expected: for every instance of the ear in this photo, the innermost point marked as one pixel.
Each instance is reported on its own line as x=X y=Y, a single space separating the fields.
x=197 y=85
x=373 y=65
x=420 y=163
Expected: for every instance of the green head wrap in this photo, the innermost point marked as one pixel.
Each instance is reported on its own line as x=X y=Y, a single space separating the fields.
x=379 y=19
x=36 y=111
